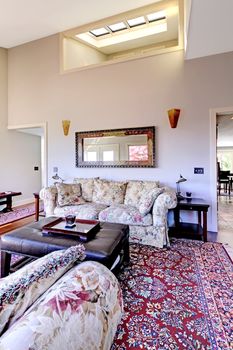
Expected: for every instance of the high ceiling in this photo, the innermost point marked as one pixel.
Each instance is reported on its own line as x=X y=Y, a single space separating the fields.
x=210 y=25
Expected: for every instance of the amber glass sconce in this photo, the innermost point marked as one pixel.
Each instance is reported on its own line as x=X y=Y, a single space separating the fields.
x=66 y=126
x=173 y=115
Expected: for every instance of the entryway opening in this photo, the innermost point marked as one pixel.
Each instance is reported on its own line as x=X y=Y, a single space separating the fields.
x=224 y=153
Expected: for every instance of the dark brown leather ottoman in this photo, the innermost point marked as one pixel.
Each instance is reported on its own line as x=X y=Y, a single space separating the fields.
x=112 y=240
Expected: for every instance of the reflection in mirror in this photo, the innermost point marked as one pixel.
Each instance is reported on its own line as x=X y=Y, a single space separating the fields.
x=116 y=148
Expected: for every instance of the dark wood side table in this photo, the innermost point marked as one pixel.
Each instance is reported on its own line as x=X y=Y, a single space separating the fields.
x=6 y=198
x=183 y=228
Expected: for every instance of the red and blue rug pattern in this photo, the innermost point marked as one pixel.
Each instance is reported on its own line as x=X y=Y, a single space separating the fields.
x=178 y=298
x=18 y=213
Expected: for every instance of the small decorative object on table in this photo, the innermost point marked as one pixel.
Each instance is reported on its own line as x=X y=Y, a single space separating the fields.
x=70 y=221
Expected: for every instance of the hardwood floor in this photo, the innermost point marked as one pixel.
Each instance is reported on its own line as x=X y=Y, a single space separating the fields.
x=19 y=223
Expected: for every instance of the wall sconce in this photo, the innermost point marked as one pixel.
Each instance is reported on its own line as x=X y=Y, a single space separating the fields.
x=66 y=126
x=173 y=115
x=178 y=193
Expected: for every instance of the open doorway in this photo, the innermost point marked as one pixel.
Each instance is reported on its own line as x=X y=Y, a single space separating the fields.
x=224 y=232
x=39 y=130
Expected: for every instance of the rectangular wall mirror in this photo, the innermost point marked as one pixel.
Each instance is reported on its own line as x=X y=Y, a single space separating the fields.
x=133 y=147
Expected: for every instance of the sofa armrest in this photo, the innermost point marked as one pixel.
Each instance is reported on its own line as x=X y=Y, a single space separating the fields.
x=49 y=197
x=166 y=200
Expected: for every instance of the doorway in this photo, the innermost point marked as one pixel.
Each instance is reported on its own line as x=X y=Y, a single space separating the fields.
x=221 y=158
x=41 y=131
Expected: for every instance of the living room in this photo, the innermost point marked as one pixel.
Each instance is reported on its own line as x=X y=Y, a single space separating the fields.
x=130 y=94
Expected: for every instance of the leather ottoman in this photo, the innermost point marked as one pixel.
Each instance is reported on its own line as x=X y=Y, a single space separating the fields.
x=110 y=242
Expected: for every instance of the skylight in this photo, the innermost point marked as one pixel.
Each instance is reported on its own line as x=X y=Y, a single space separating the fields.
x=136 y=21
x=156 y=16
x=117 y=26
x=126 y=30
x=99 y=31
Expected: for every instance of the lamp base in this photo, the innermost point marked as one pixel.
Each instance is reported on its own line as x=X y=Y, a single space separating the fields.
x=179 y=196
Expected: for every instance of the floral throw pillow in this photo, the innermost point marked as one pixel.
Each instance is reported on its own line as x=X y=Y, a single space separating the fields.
x=147 y=200
x=109 y=192
x=19 y=290
x=69 y=194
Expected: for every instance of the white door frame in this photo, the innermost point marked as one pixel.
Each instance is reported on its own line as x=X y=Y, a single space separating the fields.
x=44 y=147
x=213 y=157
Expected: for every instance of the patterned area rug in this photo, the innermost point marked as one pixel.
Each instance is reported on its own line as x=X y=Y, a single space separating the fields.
x=176 y=299
x=18 y=213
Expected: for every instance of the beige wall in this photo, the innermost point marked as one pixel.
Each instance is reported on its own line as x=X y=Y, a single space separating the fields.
x=130 y=94
x=18 y=152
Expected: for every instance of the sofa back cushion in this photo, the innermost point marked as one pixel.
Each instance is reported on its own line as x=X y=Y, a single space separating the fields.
x=147 y=200
x=19 y=290
x=69 y=194
x=109 y=192
x=87 y=186
x=135 y=190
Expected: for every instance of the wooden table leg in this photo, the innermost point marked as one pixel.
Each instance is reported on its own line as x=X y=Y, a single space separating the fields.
x=205 y=226
x=5 y=263
x=37 y=202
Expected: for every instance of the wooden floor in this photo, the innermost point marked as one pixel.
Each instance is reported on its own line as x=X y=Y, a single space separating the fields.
x=19 y=223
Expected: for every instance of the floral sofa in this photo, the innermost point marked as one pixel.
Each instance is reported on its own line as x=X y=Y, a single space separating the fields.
x=54 y=303
x=142 y=205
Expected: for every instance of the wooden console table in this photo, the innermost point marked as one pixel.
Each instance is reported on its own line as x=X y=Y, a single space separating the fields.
x=6 y=198
x=183 y=229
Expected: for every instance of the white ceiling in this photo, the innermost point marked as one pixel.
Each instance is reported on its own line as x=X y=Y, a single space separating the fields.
x=21 y=21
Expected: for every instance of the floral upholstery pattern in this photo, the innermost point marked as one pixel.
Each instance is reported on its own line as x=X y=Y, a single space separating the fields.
x=143 y=196
x=19 y=290
x=125 y=214
x=88 y=211
x=69 y=194
x=87 y=186
x=109 y=192
x=167 y=200
x=135 y=191
x=49 y=196
x=147 y=200
x=80 y=311
x=155 y=236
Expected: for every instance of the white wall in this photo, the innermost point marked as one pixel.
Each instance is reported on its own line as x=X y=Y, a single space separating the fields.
x=130 y=94
x=18 y=152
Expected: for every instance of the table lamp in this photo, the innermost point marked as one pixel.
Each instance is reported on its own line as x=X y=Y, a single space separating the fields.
x=178 y=193
x=57 y=178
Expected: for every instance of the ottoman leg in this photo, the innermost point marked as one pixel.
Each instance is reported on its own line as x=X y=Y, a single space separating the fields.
x=5 y=263
x=126 y=253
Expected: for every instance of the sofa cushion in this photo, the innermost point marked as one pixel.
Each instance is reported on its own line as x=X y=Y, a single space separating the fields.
x=87 y=185
x=69 y=194
x=135 y=189
x=125 y=214
x=147 y=200
x=80 y=311
x=109 y=192
x=19 y=290
x=88 y=211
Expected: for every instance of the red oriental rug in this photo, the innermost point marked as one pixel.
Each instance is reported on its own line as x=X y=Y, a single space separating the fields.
x=18 y=213
x=177 y=299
